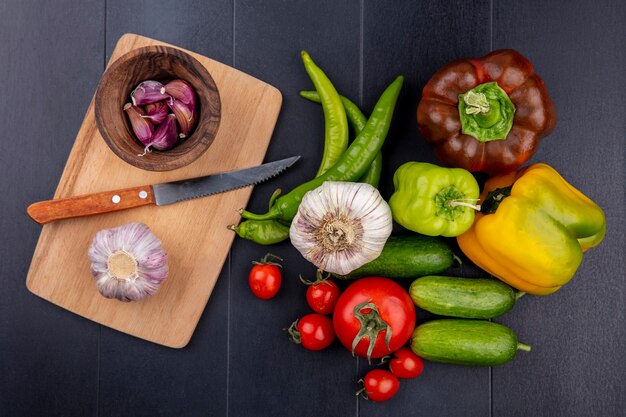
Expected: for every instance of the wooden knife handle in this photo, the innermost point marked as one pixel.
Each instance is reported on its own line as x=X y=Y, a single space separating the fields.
x=86 y=205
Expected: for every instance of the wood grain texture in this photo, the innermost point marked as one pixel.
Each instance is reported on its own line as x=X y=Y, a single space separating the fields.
x=90 y=204
x=192 y=381
x=196 y=249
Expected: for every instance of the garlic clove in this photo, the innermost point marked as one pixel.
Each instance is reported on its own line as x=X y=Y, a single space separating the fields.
x=164 y=137
x=181 y=90
x=341 y=226
x=185 y=115
x=156 y=112
x=128 y=262
x=142 y=127
x=148 y=92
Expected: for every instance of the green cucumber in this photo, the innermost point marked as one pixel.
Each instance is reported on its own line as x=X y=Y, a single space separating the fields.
x=465 y=342
x=408 y=256
x=471 y=298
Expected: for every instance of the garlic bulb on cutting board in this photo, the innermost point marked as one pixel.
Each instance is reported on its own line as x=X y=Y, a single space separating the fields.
x=128 y=262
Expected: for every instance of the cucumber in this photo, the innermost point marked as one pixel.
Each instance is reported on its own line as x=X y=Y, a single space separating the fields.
x=465 y=342
x=472 y=298
x=408 y=256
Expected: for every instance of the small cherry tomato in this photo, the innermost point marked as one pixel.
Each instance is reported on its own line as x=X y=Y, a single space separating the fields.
x=322 y=294
x=380 y=385
x=313 y=331
x=265 y=277
x=406 y=364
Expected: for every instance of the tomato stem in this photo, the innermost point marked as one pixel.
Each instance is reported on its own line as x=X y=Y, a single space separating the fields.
x=266 y=260
x=371 y=326
x=294 y=334
x=319 y=279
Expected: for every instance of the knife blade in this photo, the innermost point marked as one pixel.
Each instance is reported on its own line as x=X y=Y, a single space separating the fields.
x=159 y=194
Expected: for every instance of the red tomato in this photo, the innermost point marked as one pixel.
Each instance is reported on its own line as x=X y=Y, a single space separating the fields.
x=265 y=278
x=364 y=312
x=380 y=385
x=313 y=331
x=322 y=296
x=406 y=364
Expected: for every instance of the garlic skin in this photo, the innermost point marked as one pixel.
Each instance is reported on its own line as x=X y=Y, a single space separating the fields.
x=185 y=115
x=142 y=127
x=164 y=137
x=180 y=90
x=128 y=262
x=341 y=226
x=147 y=92
x=156 y=112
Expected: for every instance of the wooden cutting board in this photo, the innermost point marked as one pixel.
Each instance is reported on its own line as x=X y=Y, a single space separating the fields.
x=194 y=232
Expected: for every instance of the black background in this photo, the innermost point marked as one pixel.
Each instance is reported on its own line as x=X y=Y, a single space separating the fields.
x=239 y=363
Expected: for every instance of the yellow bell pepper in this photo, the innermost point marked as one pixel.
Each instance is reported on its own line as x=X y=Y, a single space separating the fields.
x=533 y=229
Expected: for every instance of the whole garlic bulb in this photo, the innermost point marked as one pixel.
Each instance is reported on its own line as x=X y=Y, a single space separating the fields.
x=128 y=262
x=341 y=226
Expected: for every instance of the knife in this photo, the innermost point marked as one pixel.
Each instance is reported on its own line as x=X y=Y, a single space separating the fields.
x=160 y=194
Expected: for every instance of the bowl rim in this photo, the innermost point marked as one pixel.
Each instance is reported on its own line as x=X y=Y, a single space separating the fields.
x=201 y=144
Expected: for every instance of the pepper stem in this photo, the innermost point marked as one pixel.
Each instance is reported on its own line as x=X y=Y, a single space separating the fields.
x=476 y=103
x=486 y=112
x=273 y=197
x=270 y=215
x=494 y=198
x=456 y=203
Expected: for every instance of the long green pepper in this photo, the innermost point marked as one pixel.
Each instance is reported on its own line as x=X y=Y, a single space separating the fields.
x=352 y=164
x=357 y=119
x=335 y=121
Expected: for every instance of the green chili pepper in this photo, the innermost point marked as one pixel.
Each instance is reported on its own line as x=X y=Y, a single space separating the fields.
x=263 y=232
x=373 y=173
x=336 y=123
x=352 y=164
x=357 y=119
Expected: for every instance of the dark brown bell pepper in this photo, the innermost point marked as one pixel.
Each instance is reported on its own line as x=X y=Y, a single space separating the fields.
x=486 y=114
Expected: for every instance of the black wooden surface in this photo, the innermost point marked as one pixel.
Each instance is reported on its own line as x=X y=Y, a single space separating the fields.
x=239 y=362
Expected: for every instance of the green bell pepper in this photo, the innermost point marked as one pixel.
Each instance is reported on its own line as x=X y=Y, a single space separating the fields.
x=432 y=200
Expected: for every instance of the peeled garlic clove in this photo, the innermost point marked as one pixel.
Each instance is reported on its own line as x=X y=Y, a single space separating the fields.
x=341 y=226
x=180 y=90
x=185 y=115
x=147 y=92
x=142 y=127
x=128 y=262
x=164 y=137
x=156 y=112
